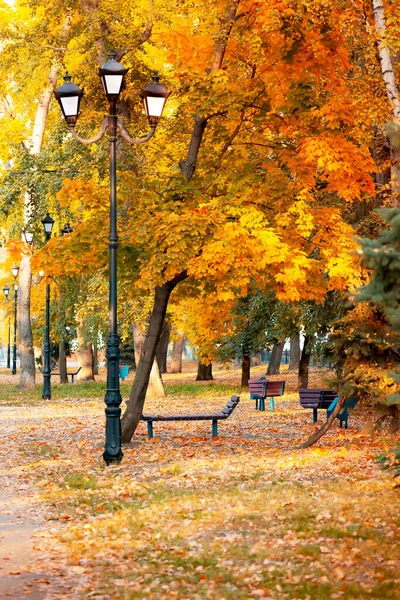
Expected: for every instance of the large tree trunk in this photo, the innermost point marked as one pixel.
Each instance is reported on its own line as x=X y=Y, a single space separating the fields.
x=85 y=357
x=274 y=366
x=162 y=348
x=137 y=396
x=155 y=388
x=24 y=329
x=294 y=352
x=245 y=370
x=204 y=372
x=176 y=354
x=302 y=381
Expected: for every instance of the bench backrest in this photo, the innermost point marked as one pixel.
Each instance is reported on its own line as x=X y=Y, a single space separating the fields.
x=316 y=398
x=257 y=387
x=275 y=388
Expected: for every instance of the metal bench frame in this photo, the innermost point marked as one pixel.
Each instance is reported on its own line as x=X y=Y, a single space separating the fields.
x=224 y=414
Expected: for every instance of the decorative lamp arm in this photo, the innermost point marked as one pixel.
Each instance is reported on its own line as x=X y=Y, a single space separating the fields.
x=94 y=139
x=133 y=141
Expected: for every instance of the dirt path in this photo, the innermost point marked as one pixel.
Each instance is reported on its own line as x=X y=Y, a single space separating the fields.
x=23 y=571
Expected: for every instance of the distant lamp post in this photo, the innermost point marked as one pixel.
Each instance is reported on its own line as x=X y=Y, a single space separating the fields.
x=67 y=229
x=27 y=236
x=9 y=346
x=154 y=97
x=6 y=290
x=47 y=223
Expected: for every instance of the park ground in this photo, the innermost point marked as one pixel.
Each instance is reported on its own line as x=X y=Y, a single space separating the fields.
x=243 y=516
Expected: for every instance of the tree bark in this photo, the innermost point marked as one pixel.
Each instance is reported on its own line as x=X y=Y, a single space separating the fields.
x=245 y=370
x=155 y=388
x=24 y=329
x=162 y=348
x=256 y=360
x=302 y=381
x=137 y=395
x=176 y=355
x=274 y=366
x=62 y=362
x=85 y=357
x=294 y=352
x=204 y=372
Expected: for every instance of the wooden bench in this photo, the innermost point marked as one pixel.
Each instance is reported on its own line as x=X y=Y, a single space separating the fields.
x=72 y=375
x=343 y=414
x=316 y=399
x=263 y=388
x=224 y=414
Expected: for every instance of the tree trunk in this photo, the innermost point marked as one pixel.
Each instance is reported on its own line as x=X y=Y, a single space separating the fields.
x=176 y=355
x=256 y=360
x=204 y=372
x=162 y=348
x=245 y=371
x=294 y=352
x=62 y=362
x=137 y=396
x=24 y=329
x=85 y=357
x=302 y=381
x=392 y=90
x=274 y=366
x=155 y=388
x=95 y=360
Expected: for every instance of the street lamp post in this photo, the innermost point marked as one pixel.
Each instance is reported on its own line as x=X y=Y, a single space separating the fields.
x=154 y=97
x=48 y=223
x=6 y=290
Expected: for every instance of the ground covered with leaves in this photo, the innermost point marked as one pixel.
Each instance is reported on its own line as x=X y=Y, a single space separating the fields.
x=245 y=515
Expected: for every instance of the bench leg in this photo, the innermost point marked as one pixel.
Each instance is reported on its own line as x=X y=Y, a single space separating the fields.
x=72 y=379
x=262 y=404
x=150 y=429
x=271 y=405
x=214 y=428
x=256 y=403
x=315 y=415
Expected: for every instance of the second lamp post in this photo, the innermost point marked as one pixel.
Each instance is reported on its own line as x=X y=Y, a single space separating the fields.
x=154 y=97
x=48 y=223
x=6 y=290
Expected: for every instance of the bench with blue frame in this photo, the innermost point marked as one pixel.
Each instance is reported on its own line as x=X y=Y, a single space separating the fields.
x=260 y=389
x=316 y=399
x=224 y=414
x=343 y=414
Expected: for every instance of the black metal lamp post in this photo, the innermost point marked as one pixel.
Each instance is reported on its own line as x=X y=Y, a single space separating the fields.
x=154 y=96
x=48 y=223
x=6 y=290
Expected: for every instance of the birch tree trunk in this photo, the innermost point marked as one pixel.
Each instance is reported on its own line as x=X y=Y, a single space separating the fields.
x=155 y=387
x=392 y=91
x=24 y=330
x=26 y=353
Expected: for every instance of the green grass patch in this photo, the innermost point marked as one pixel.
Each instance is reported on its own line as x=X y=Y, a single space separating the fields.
x=80 y=481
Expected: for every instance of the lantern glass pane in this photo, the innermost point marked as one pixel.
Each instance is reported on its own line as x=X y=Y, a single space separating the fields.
x=14 y=271
x=155 y=106
x=70 y=105
x=113 y=84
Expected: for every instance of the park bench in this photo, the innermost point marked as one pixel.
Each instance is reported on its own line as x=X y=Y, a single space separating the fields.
x=70 y=374
x=343 y=414
x=224 y=414
x=316 y=399
x=260 y=389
